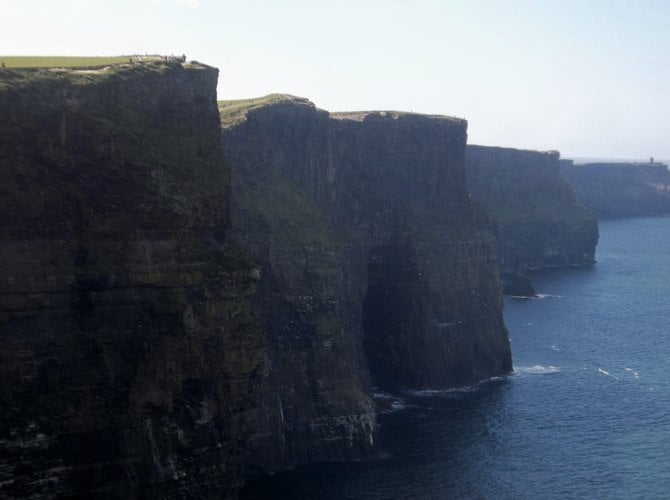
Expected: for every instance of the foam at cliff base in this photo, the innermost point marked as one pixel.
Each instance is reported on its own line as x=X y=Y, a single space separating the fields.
x=538 y=296
x=536 y=370
x=388 y=403
x=423 y=393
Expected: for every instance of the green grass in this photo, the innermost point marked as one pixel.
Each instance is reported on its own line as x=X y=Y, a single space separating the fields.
x=68 y=61
x=359 y=116
x=233 y=112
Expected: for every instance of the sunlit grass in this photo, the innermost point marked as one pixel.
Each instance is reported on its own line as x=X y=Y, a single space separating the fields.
x=68 y=61
x=234 y=111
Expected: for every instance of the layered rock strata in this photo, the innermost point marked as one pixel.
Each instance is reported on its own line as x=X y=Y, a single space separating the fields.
x=129 y=354
x=620 y=189
x=538 y=220
x=372 y=255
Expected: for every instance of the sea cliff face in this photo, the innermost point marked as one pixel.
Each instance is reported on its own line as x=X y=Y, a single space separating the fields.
x=136 y=340
x=129 y=354
x=539 y=221
x=374 y=259
x=620 y=189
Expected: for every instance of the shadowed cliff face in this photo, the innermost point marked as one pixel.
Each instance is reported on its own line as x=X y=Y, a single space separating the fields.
x=372 y=254
x=620 y=189
x=539 y=221
x=129 y=354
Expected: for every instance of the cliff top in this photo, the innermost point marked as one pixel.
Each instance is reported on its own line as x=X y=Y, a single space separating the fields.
x=25 y=62
x=235 y=111
x=550 y=152
x=622 y=164
x=11 y=76
x=360 y=116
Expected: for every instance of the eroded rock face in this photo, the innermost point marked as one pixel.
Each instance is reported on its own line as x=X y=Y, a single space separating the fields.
x=620 y=189
x=373 y=256
x=129 y=354
x=539 y=221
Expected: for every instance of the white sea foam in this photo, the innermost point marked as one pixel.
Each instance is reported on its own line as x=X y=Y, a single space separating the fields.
x=536 y=370
x=605 y=372
x=398 y=405
x=391 y=403
x=426 y=393
x=538 y=296
x=635 y=374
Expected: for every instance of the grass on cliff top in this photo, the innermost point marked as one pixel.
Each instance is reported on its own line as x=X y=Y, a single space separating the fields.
x=359 y=116
x=59 y=62
x=19 y=78
x=71 y=61
x=234 y=111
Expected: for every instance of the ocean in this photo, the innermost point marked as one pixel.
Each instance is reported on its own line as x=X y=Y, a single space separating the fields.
x=585 y=415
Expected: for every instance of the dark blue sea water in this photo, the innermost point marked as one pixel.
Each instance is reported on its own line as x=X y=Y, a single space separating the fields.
x=586 y=415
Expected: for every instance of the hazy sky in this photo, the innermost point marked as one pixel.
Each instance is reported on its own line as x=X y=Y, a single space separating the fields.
x=586 y=77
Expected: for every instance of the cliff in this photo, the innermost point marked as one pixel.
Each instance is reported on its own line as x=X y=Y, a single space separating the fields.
x=621 y=189
x=129 y=354
x=373 y=256
x=539 y=221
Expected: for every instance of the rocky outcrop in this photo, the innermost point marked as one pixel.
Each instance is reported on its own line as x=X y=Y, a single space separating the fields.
x=539 y=221
x=620 y=189
x=372 y=255
x=129 y=354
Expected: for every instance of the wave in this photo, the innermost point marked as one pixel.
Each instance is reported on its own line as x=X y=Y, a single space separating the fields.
x=538 y=296
x=427 y=393
x=536 y=370
x=605 y=372
x=389 y=403
x=635 y=374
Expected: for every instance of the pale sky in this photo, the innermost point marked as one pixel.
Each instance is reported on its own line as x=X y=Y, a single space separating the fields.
x=585 y=77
